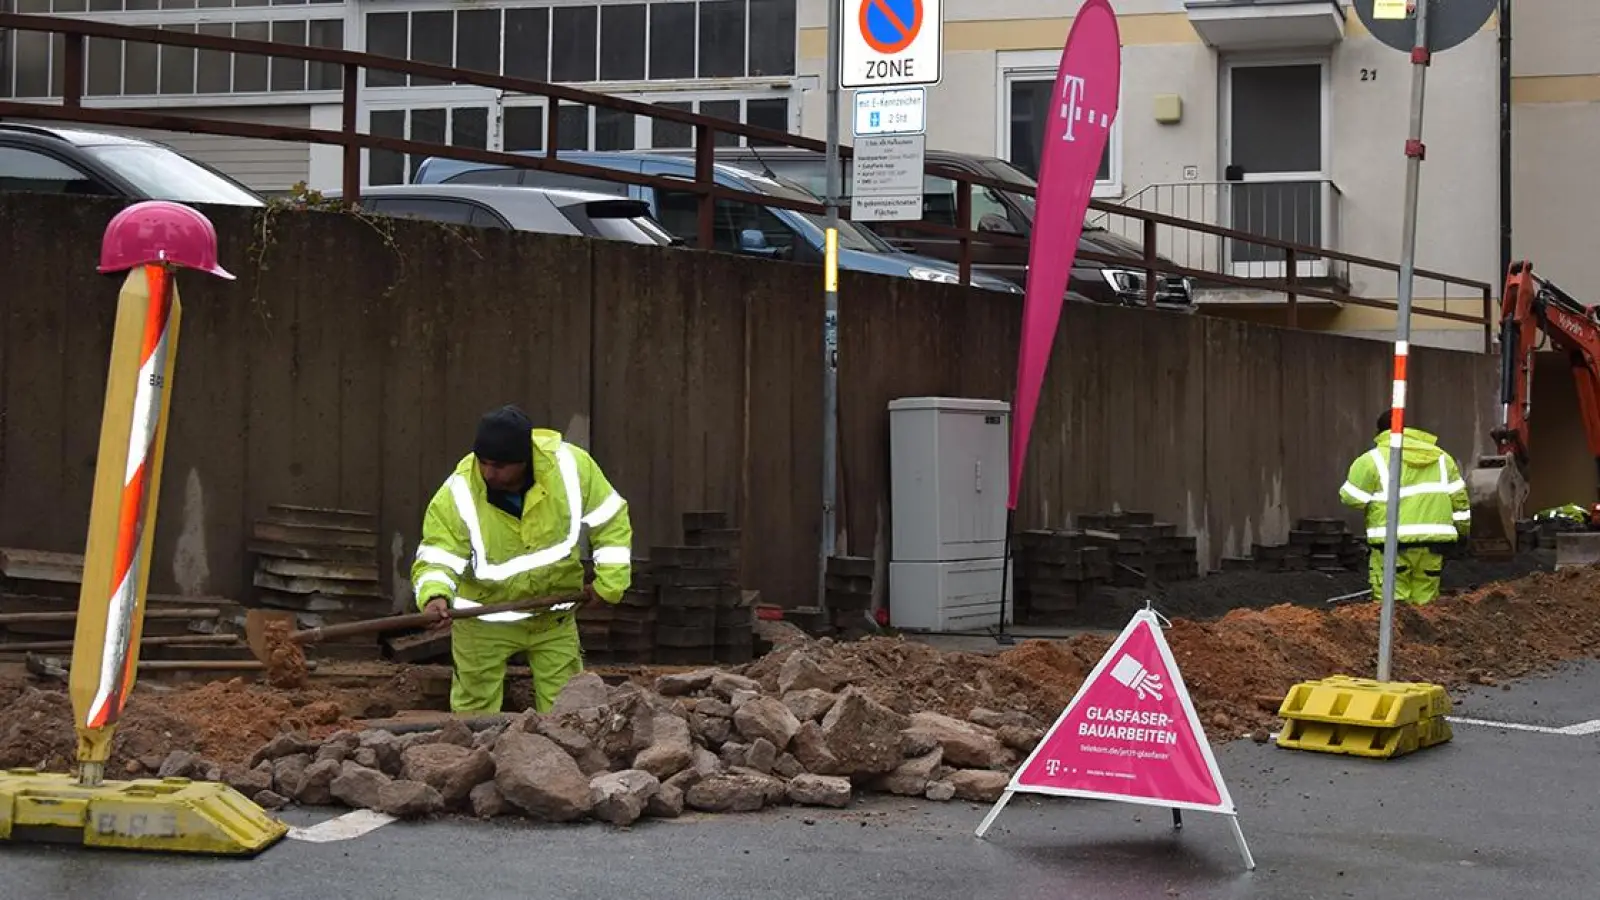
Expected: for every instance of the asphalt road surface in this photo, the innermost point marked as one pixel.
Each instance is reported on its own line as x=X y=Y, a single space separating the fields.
x=1499 y=812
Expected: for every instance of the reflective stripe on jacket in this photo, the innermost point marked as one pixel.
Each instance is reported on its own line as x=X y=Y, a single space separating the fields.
x=1434 y=506
x=474 y=553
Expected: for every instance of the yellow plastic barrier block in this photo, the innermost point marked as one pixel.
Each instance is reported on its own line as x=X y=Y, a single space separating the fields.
x=1343 y=700
x=1363 y=740
x=160 y=814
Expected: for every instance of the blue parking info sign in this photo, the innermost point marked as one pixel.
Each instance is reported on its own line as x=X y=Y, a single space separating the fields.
x=897 y=111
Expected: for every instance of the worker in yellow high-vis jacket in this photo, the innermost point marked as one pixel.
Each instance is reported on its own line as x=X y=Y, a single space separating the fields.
x=1434 y=510
x=504 y=527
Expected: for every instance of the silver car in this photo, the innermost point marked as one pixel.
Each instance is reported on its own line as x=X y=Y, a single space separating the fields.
x=544 y=210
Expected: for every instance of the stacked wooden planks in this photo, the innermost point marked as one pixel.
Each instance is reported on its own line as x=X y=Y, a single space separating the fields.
x=39 y=593
x=322 y=565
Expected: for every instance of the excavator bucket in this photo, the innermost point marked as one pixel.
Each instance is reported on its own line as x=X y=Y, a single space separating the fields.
x=1577 y=548
x=1498 y=491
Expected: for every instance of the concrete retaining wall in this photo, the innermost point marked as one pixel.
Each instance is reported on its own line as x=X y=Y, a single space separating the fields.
x=348 y=364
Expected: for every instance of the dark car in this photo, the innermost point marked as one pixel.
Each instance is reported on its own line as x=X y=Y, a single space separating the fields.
x=747 y=228
x=47 y=160
x=995 y=212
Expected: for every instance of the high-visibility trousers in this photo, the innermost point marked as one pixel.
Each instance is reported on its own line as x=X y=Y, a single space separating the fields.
x=1417 y=568
x=481 y=649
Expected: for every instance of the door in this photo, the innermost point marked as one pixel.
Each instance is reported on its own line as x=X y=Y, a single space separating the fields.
x=1275 y=138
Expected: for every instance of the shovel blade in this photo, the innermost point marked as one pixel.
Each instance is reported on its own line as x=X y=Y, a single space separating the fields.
x=255 y=628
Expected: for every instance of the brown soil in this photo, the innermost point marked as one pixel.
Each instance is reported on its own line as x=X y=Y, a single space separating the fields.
x=286 y=661
x=223 y=721
x=1237 y=668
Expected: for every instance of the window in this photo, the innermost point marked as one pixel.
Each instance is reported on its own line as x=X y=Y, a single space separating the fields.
x=32 y=64
x=763 y=110
x=453 y=212
x=465 y=117
x=722 y=38
x=772 y=37
x=679 y=213
x=163 y=174
x=483 y=217
x=939 y=203
x=573 y=43
x=523 y=128
x=671 y=50
x=26 y=170
x=665 y=135
x=487 y=176
x=622 y=47
x=478 y=40
x=1026 y=81
x=527 y=43
x=584 y=42
x=460 y=126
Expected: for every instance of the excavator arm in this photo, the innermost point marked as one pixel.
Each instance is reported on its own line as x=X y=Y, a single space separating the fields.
x=1533 y=311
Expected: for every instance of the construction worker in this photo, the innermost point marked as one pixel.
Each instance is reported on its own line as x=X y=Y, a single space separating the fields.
x=1434 y=510
x=503 y=528
x=1570 y=512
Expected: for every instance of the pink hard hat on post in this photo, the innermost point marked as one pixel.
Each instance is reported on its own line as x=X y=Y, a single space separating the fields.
x=160 y=231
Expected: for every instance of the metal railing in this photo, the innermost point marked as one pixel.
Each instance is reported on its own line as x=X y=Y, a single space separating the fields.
x=1303 y=211
x=74 y=34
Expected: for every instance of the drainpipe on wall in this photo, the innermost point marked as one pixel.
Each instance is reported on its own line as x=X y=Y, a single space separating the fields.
x=1505 y=136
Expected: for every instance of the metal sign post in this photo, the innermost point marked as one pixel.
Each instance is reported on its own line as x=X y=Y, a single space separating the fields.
x=1402 y=334
x=830 y=317
x=871 y=44
x=1420 y=28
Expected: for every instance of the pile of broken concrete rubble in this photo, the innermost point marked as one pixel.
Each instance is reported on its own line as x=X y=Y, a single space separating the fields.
x=707 y=740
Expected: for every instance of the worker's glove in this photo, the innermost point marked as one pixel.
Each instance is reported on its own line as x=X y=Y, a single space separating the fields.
x=1132 y=675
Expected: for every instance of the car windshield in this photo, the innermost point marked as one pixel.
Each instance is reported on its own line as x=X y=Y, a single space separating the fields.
x=1007 y=172
x=851 y=235
x=164 y=175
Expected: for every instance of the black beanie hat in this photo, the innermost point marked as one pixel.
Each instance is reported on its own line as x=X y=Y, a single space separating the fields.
x=504 y=436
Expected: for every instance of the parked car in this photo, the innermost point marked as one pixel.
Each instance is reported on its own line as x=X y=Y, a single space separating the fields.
x=48 y=160
x=544 y=210
x=747 y=228
x=995 y=212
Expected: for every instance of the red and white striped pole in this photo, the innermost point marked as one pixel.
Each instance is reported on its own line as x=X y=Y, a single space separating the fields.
x=117 y=655
x=1415 y=153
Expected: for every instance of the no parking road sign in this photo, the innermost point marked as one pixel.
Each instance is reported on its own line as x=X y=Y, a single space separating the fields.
x=890 y=43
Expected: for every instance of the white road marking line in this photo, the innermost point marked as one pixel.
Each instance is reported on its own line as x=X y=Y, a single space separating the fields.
x=1578 y=729
x=350 y=825
x=1513 y=726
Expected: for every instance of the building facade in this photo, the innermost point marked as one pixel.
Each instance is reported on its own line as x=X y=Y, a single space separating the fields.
x=735 y=59
x=1283 y=117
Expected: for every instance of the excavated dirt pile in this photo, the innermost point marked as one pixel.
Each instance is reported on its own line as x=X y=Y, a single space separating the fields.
x=215 y=724
x=813 y=722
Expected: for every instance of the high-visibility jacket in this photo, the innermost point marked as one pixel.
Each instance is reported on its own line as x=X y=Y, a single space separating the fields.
x=1434 y=506
x=474 y=553
x=1571 y=511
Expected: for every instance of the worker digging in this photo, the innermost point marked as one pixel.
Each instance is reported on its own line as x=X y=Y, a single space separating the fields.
x=504 y=527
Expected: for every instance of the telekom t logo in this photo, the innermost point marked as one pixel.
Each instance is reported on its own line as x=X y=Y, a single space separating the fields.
x=1052 y=766
x=1072 y=110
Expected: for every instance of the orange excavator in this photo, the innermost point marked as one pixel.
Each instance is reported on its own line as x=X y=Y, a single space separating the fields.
x=1534 y=313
